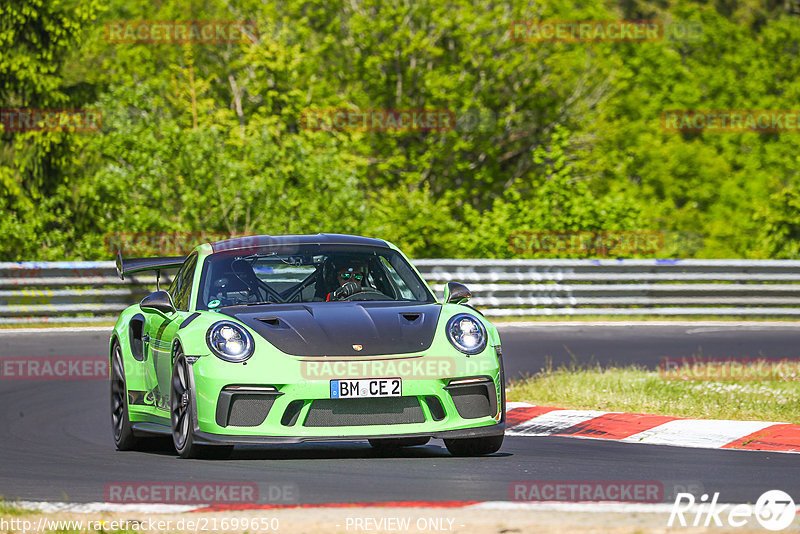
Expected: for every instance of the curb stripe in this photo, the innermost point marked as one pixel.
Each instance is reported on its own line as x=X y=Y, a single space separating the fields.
x=783 y=437
x=553 y=422
x=520 y=415
x=616 y=425
x=697 y=432
x=529 y=420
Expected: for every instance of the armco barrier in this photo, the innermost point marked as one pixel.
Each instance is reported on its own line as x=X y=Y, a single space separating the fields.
x=623 y=287
x=56 y=292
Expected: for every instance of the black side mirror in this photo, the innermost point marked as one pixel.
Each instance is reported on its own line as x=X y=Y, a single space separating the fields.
x=160 y=302
x=456 y=293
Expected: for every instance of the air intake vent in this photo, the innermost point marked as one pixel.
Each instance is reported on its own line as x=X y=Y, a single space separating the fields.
x=291 y=413
x=435 y=406
x=473 y=401
x=411 y=317
x=244 y=408
x=363 y=412
x=249 y=410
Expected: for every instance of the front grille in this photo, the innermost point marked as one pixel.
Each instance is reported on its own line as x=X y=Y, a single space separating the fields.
x=249 y=410
x=243 y=409
x=472 y=401
x=363 y=412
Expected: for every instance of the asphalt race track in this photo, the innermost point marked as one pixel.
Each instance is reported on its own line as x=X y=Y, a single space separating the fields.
x=56 y=440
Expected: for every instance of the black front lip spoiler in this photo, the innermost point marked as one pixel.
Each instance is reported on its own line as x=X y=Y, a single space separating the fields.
x=206 y=438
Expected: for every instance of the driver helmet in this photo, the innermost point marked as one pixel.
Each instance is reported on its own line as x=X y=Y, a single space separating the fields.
x=345 y=270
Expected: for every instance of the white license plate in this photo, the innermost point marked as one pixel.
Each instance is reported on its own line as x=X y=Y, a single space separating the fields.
x=366 y=387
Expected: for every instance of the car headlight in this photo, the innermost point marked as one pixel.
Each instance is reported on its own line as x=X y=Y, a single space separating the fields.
x=229 y=341
x=466 y=333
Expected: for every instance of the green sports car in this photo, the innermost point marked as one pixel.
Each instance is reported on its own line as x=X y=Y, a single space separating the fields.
x=285 y=339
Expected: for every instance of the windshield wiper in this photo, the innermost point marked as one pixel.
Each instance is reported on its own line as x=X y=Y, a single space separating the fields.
x=256 y=303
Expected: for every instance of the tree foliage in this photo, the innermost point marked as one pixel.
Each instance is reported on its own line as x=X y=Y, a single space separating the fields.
x=559 y=137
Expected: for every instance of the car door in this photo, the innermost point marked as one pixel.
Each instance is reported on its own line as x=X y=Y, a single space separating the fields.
x=162 y=329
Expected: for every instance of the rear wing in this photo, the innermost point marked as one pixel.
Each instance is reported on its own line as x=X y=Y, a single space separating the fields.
x=137 y=265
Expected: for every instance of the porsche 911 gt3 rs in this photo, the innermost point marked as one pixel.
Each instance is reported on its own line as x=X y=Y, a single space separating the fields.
x=285 y=339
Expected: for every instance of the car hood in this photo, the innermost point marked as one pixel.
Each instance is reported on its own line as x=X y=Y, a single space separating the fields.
x=342 y=328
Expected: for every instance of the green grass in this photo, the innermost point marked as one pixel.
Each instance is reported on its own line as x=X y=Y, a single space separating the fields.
x=10 y=508
x=637 y=390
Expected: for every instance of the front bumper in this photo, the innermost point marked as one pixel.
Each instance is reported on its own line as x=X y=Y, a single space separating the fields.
x=299 y=407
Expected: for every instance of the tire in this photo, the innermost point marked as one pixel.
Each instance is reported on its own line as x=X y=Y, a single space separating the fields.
x=182 y=416
x=474 y=446
x=121 y=428
x=397 y=443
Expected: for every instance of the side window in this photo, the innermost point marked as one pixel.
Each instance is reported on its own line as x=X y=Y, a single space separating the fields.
x=184 y=280
x=173 y=287
x=405 y=292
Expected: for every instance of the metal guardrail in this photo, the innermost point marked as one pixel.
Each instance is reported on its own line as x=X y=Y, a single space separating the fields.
x=624 y=287
x=58 y=292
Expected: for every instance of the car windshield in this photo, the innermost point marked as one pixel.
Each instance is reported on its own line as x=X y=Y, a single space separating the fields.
x=308 y=273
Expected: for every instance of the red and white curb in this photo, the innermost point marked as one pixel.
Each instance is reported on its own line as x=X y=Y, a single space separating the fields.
x=530 y=420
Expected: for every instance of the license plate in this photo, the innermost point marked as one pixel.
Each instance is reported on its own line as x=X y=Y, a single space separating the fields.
x=360 y=388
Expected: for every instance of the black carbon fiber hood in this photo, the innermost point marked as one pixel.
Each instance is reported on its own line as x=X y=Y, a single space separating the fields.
x=334 y=328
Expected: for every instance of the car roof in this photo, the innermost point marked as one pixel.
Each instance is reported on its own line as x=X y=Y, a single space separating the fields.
x=258 y=241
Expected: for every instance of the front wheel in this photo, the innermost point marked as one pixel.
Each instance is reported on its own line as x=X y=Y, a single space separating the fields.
x=474 y=446
x=181 y=410
x=183 y=417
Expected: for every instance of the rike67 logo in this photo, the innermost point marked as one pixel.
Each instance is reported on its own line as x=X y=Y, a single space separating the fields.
x=774 y=510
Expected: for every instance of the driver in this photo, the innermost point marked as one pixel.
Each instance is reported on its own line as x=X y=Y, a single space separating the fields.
x=351 y=278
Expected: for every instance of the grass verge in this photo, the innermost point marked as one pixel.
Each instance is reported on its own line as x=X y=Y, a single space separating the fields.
x=637 y=390
x=10 y=508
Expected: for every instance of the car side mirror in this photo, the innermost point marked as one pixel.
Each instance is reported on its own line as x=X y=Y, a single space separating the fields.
x=455 y=293
x=159 y=302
